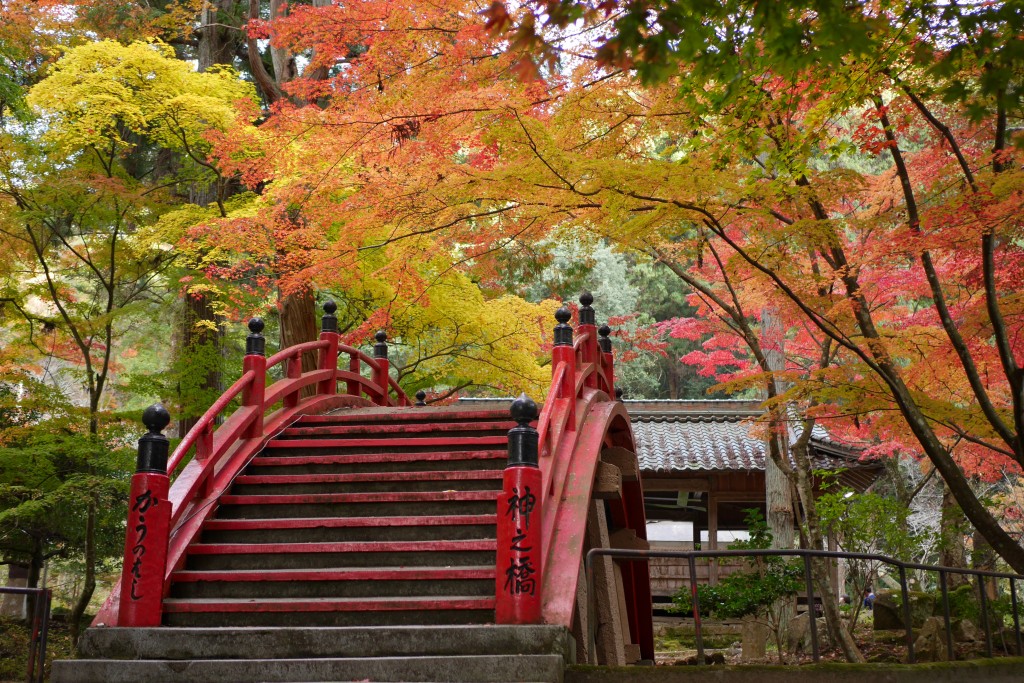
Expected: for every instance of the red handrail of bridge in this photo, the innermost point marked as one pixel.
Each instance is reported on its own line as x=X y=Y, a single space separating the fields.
x=220 y=452
x=580 y=418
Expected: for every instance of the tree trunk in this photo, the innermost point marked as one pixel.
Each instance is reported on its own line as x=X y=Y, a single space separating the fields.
x=778 y=491
x=820 y=567
x=282 y=59
x=217 y=45
x=89 y=585
x=953 y=528
x=778 y=499
x=217 y=42
x=298 y=325
x=984 y=558
x=196 y=316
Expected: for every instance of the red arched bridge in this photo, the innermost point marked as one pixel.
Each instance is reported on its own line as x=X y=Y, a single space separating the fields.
x=330 y=529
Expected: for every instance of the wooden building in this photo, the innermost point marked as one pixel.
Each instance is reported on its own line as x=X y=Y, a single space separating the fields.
x=702 y=465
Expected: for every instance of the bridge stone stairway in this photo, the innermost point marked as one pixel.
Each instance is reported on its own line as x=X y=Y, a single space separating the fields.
x=359 y=545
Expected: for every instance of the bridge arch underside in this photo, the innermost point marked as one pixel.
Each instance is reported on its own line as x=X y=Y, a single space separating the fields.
x=609 y=615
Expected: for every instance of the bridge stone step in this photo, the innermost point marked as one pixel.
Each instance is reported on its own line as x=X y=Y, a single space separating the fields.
x=299 y=615
x=480 y=668
x=375 y=482
x=329 y=430
x=349 y=529
x=310 y=461
x=333 y=499
x=332 y=642
x=360 y=582
x=423 y=504
x=435 y=415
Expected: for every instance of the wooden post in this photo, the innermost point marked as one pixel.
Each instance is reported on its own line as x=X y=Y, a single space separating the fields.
x=329 y=355
x=255 y=360
x=588 y=326
x=149 y=518
x=712 y=537
x=519 y=577
x=564 y=353
x=380 y=375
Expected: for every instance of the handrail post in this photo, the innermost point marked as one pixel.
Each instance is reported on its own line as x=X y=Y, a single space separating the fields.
x=352 y=387
x=812 y=611
x=695 y=603
x=1016 y=615
x=380 y=375
x=519 y=576
x=905 y=595
x=256 y=361
x=204 y=451
x=149 y=518
x=293 y=371
x=944 y=585
x=588 y=326
x=564 y=353
x=984 y=614
x=605 y=342
x=329 y=355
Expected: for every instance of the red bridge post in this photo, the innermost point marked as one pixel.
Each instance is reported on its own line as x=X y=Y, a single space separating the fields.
x=588 y=326
x=520 y=572
x=564 y=353
x=255 y=360
x=380 y=375
x=149 y=517
x=329 y=356
x=605 y=343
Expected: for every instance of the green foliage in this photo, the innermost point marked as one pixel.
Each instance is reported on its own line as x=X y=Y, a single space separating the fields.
x=718 y=44
x=749 y=592
x=869 y=523
x=965 y=603
x=51 y=467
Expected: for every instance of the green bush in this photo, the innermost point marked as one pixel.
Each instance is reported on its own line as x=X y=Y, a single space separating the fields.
x=751 y=591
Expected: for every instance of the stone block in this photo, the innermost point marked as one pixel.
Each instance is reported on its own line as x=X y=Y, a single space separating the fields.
x=930 y=645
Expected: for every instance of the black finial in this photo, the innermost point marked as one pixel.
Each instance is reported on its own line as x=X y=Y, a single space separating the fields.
x=563 y=332
x=421 y=398
x=523 y=439
x=523 y=410
x=153 y=446
x=380 y=349
x=619 y=393
x=603 y=339
x=586 y=312
x=156 y=418
x=329 y=323
x=255 y=344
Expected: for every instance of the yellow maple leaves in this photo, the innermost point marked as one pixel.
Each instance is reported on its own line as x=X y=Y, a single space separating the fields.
x=99 y=94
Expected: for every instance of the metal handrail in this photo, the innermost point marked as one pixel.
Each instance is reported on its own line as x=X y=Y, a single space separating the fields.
x=806 y=554
x=39 y=629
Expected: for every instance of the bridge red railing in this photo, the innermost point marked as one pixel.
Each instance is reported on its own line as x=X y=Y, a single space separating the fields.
x=163 y=519
x=552 y=481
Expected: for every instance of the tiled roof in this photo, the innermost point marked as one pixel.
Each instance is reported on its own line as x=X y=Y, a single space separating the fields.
x=714 y=435
x=679 y=436
x=674 y=444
